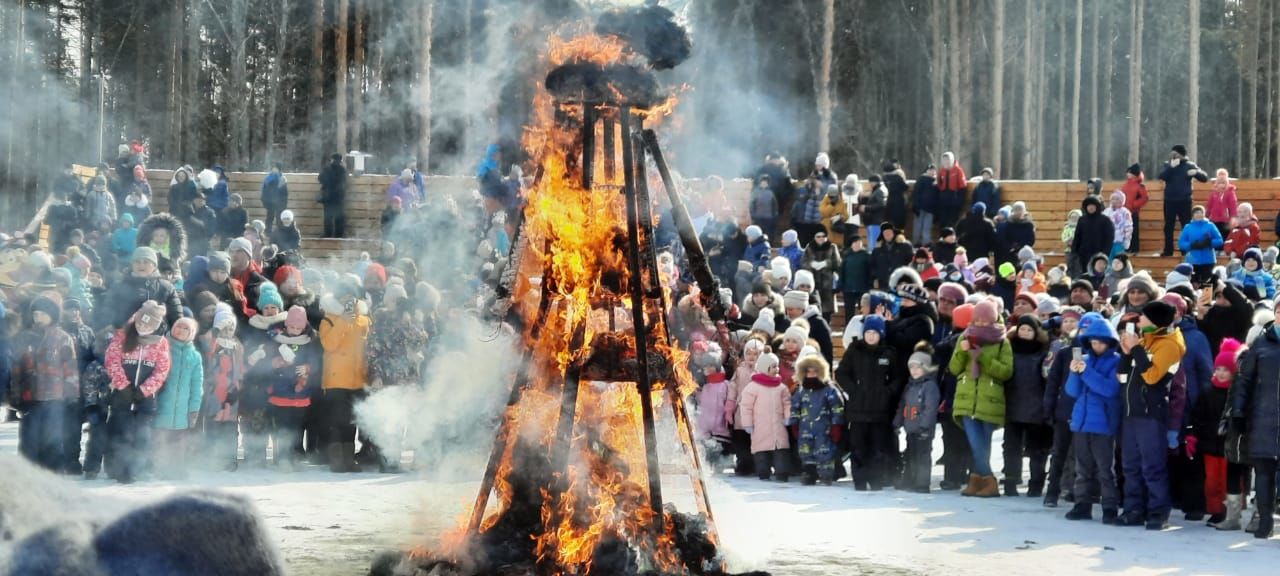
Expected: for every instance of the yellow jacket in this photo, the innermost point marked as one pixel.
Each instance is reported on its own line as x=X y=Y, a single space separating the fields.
x=345 y=364
x=833 y=213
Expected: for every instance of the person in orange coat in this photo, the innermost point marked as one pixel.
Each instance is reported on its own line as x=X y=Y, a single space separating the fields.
x=343 y=334
x=1135 y=197
x=1031 y=281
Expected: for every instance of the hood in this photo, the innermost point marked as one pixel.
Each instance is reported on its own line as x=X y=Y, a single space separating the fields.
x=904 y=273
x=177 y=234
x=1100 y=329
x=813 y=361
x=1095 y=259
x=1125 y=272
x=1095 y=201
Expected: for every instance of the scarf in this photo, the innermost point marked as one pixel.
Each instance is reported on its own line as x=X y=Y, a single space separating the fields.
x=979 y=336
x=716 y=378
x=766 y=380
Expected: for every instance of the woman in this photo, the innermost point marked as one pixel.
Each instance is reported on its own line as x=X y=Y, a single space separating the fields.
x=982 y=363
x=1222 y=202
x=138 y=363
x=1255 y=414
x=183 y=188
x=823 y=259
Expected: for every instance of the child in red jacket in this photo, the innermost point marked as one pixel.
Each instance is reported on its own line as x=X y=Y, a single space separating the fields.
x=1135 y=197
x=1245 y=234
x=138 y=363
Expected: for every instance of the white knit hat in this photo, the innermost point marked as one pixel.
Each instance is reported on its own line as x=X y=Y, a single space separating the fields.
x=286 y=216
x=796 y=299
x=764 y=323
x=803 y=278
x=766 y=362
x=797 y=333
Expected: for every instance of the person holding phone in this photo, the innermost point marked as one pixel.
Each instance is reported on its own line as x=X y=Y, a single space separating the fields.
x=1095 y=417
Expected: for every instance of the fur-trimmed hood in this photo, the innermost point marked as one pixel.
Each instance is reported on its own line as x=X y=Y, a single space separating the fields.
x=750 y=309
x=330 y=305
x=177 y=235
x=813 y=361
x=904 y=273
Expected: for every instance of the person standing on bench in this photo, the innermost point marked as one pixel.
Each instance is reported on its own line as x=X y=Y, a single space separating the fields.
x=1177 y=175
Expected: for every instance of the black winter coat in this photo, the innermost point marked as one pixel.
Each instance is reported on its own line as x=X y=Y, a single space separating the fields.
x=1016 y=235
x=867 y=376
x=924 y=198
x=1057 y=404
x=1094 y=233
x=890 y=257
x=1024 y=393
x=820 y=332
x=1255 y=396
x=1206 y=415
x=977 y=234
x=333 y=184
x=1222 y=322
x=897 y=186
x=287 y=238
x=912 y=326
x=128 y=295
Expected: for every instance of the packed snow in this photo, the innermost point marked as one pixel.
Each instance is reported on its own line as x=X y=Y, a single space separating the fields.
x=331 y=524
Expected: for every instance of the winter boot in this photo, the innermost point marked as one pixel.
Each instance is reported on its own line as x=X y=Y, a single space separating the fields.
x=990 y=488
x=1253 y=522
x=1193 y=516
x=1231 y=521
x=1080 y=511
x=1051 y=499
x=1131 y=518
x=1110 y=516
x=948 y=485
x=975 y=483
x=1039 y=474
x=1011 y=488
x=348 y=455
x=1158 y=521
x=1266 y=521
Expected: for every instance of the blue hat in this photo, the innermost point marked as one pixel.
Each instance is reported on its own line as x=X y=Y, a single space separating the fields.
x=873 y=323
x=978 y=208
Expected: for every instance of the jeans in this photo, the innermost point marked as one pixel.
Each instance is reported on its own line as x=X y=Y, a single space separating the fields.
x=1095 y=469
x=873 y=234
x=979 y=435
x=1146 y=473
x=1179 y=210
x=922 y=229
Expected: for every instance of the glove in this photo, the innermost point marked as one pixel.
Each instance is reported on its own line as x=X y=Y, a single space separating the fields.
x=1191 y=447
x=287 y=353
x=837 y=433
x=1202 y=243
x=750 y=429
x=257 y=356
x=1172 y=437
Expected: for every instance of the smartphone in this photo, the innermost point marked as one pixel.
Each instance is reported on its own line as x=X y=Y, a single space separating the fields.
x=1076 y=354
x=1131 y=329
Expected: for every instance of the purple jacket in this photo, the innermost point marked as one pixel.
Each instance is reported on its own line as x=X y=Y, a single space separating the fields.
x=407 y=193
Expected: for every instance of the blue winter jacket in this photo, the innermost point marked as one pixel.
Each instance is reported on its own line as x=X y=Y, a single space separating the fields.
x=988 y=193
x=1197 y=363
x=1098 y=408
x=183 y=391
x=758 y=253
x=1265 y=284
x=1198 y=241
x=794 y=254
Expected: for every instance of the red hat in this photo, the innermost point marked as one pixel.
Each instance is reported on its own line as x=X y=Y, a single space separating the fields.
x=286 y=273
x=1228 y=354
x=961 y=316
x=1029 y=297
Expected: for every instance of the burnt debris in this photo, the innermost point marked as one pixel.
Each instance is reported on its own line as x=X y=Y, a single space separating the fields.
x=590 y=83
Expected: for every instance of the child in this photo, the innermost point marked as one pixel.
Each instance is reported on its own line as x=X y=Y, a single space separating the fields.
x=869 y=379
x=751 y=350
x=817 y=420
x=791 y=249
x=95 y=394
x=715 y=409
x=1058 y=284
x=1030 y=281
x=1025 y=431
x=45 y=379
x=294 y=352
x=138 y=362
x=125 y=239
x=1058 y=405
x=1255 y=283
x=1121 y=221
x=137 y=205
x=1198 y=240
x=224 y=373
x=231 y=219
x=1223 y=486
x=1069 y=230
x=758 y=250
x=982 y=363
x=792 y=341
x=178 y=403
x=766 y=408
x=1222 y=204
x=1245 y=234
x=918 y=416
x=1135 y=198
x=1147 y=369
x=1120 y=270
x=1095 y=418
x=855 y=273
x=1097 y=273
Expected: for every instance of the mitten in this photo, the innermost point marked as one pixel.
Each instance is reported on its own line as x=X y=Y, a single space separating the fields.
x=1191 y=447
x=1172 y=437
x=837 y=433
x=287 y=353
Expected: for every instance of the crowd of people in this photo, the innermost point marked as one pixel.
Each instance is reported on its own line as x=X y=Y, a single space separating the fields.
x=200 y=337
x=147 y=344
x=1112 y=387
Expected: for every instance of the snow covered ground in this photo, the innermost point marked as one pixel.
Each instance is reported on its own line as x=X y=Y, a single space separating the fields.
x=328 y=524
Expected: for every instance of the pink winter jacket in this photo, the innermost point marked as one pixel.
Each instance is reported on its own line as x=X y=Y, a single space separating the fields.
x=741 y=378
x=147 y=366
x=715 y=409
x=766 y=408
x=1222 y=204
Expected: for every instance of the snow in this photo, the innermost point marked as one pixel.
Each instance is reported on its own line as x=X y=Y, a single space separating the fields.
x=330 y=524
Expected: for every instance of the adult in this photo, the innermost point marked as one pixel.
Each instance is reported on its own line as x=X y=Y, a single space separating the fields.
x=183 y=188
x=952 y=188
x=275 y=194
x=895 y=180
x=806 y=214
x=286 y=236
x=1019 y=232
x=1255 y=415
x=924 y=203
x=142 y=284
x=977 y=233
x=893 y=252
x=823 y=259
x=405 y=189
x=1095 y=233
x=333 y=195
x=988 y=192
x=1177 y=175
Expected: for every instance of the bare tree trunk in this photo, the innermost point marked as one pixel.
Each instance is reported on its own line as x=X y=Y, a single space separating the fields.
x=997 y=89
x=15 y=77
x=1193 y=71
x=1064 y=120
x=423 y=97
x=1095 y=73
x=1075 y=91
x=357 y=93
x=1042 y=85
x=192 y=96
x=1028 y=88
x=964 y=121
x=954 y=112
x=1273 y=123
x=173 y=97
x=316 y=113
x=1267 y=165
x=824 y=78
x=1135 y=84
x=937 y=65
x=1251 y=83
x=340 y=89
x=1109 y=62
x=239 y=82
x=274 y=93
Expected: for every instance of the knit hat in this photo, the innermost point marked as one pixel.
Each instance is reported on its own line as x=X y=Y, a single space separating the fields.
x=224 y=318
x=797 y=333
x=922 y=253
x=766 y=362
x=376 y=270
x=873 y=323
x=241 y=244
x=296 y=318
x=1134 y=169
x=922 y=359
x=49 y=307
x=764 y=323
x=1049 y=307
x=236 y=198
x=269 y=295
x=1252 y=254
x=947 y=231
x=1180 y=149
x=1142 y=281
x=1006 y=270
x=761 y=287
x=754 y=232
x=1228 y=355
x=1269 y=257
x=880 y=298
x=745 y=267
x=1118 y=195
x=1176 y=300
x=220 y=261
x=822 y=161
x=1029 y=267
x=978 y=208
x=190 y=325
x=286 y=216
x=1028 y=298
x=1082 y=284
x=790 y=237
x=286 y=273
x=1181 y=274
x=149 y=317
x=258 y=226
x=394 y=294
x=145 y=253
x=1072 y=312
x=1160 y=313
x=803 y=278
x=795 y=299
x=913 y=293
x=202 y=300
x=961 y=316
x=986 y=312
x=1027 y=254
x=953 y=291
x=127 y=217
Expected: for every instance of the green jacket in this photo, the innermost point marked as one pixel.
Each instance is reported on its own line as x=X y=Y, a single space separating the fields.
x=982 y=398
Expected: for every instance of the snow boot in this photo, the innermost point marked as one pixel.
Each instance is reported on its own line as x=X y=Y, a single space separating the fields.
x=1080 y=511
x=1051 y=499
x=1158 y=521
x=975 y=483
x=1193 y=516
x=1011 y=488
x=948 y=485
x=990 y=488
x=1131 y=518
x=1110 y=516
x=1266 y=521
x=1231 y=520
x=1253 y=522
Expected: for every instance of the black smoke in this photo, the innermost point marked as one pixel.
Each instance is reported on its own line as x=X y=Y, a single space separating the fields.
x=588 y=82
x=651 y=31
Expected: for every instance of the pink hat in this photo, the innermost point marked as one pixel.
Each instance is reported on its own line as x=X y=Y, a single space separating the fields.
x=986 y=312
x=296 y=318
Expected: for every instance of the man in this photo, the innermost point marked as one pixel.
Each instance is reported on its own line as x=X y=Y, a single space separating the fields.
x=142 y=284
x=1177 y=175
x=1081 y=295
x=201 y=223
x=244 y=269
x=333 y=195
x=796 y=305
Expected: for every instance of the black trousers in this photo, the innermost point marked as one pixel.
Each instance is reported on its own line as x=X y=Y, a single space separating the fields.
x=1095 y=470
x=1264 y=485
x=129 y=433
x=955 y=452
x=335 y=221
x=340 y=420
x=273 y=214
x=1179 y=210
x=744 y=463
x=777 y=462
x=1033 y=440
x=286 y=432
x=1134 y=244
x=96 y=447
x=1186 y=482
x=918 y=462
x=869 y=443
x=1062 y=464
x=72 y=429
